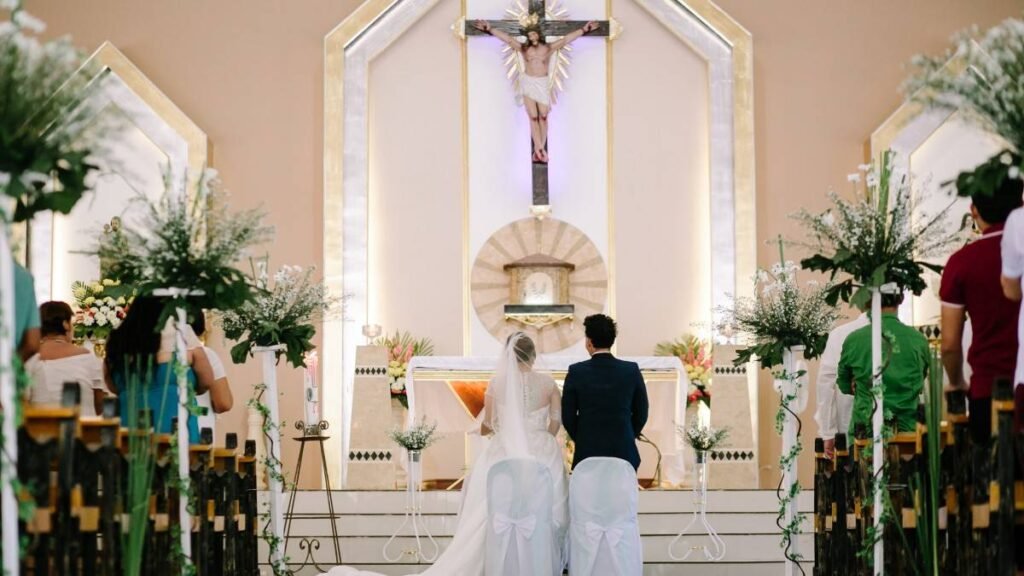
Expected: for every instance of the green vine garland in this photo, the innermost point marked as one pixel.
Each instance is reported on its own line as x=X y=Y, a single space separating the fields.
x=790 y=531
x=879 y=481
x=273 y=468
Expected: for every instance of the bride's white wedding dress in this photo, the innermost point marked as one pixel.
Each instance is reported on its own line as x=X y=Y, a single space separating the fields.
x=526 y=430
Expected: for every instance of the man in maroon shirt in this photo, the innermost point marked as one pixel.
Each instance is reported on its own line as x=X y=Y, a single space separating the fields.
x=971 y=288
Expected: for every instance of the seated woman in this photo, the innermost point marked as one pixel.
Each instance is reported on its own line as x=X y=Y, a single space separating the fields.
x=139 y=367
x=59 y=361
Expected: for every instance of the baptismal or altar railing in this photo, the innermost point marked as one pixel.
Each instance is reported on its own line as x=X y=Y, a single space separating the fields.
x=979 y=497
x=76 y=482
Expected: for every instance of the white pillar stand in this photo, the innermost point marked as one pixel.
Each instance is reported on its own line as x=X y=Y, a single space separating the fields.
x=268 y=358
x=414 y=515
x=877 y=423
x=181 y=320
x=8 y=399
x=795 y=387
x=716 y=551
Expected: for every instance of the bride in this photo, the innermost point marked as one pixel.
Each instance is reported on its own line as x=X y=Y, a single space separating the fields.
x=522 y=415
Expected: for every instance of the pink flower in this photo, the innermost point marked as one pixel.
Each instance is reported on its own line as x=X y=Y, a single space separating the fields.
x=408 y=354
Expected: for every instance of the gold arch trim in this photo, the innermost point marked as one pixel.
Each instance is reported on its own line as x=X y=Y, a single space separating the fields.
x=883 y=137
x=107 y=56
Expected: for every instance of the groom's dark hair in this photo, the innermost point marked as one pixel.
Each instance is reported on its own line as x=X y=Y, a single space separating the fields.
x=600 y=330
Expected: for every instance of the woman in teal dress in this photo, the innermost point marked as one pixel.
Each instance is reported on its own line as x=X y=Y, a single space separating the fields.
x=139 y=367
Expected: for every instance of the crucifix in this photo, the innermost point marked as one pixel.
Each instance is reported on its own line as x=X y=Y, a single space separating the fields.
x=535 y=80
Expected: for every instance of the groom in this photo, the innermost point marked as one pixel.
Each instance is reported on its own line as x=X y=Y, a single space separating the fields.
x=604 y=400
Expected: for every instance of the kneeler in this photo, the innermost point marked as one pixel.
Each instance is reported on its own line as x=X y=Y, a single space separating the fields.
x=49 y=434
x=199 y=475
x=246 y=550
x=99 y=494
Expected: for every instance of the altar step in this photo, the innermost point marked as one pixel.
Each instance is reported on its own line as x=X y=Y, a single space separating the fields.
x=745 y=519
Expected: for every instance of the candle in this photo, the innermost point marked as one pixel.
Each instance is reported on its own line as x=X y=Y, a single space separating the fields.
x=311 y=392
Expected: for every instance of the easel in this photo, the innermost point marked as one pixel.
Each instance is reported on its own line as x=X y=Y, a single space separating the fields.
x=309 y=545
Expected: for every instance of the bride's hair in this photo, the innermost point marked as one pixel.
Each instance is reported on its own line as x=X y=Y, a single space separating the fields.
x=526 y=351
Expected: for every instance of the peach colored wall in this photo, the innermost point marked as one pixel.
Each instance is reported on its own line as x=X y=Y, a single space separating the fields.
x=416 y=212
x=249 y=72
x=661 y=186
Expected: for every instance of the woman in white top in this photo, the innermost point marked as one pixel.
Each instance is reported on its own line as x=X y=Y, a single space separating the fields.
x=59 y=361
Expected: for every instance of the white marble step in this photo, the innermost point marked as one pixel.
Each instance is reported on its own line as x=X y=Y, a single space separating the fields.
x=739 y=548
x=366 y=519
x=651 y=524
x=440 y=502
x=695 y=569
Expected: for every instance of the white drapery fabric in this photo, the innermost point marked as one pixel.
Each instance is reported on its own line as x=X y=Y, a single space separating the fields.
x=604 y=538
x=520 y=529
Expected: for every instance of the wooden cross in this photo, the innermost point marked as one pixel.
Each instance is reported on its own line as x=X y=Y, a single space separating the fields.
x=549 y=28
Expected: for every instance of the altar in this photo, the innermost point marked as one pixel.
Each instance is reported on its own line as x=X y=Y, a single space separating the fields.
x=449 y=390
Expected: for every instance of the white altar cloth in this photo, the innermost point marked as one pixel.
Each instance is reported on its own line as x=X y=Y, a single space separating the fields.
x=667 y=399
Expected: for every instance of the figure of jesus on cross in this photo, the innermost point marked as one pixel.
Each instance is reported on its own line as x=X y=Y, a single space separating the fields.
x=534 y=86
x=536 y=22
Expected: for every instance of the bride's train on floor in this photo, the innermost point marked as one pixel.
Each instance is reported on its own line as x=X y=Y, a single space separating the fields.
x=519 y=534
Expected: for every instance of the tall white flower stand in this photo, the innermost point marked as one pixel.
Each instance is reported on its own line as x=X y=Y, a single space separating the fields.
x=181 y=320
x=268 y=359
x=877 y=421
x=716 y=551
x=8 y=402
x=792 y=389
x=413 y=516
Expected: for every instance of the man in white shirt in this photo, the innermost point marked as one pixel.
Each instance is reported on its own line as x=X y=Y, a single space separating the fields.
x=1013 y=270
x=834 y=408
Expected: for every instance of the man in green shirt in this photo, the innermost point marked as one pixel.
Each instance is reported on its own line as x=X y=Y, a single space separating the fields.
x=26 y=314
x=907 y=353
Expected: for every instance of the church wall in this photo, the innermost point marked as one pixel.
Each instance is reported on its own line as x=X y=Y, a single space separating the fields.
x=415 y=196
x=250 y=73
x=661 y=184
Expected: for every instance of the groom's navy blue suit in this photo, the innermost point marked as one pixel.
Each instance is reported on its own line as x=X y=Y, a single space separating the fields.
x=604 y=408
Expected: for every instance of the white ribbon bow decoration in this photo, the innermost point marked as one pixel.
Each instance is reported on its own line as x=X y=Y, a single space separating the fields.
x=595 y=532
x=613 y=534
x=523 y=529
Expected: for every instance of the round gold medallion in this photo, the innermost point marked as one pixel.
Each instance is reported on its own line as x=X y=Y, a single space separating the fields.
x=542 y=277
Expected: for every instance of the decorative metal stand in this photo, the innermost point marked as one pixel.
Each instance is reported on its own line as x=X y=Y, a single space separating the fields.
x=716 y=551
x=310 y=545
x=413 y=515
x=656 y=481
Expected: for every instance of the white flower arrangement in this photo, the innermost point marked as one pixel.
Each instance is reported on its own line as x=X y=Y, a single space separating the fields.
x=981 y=77
x=990 y=89
x=282 y=313
x=187 y=241
x=416 y=438
x=50 y=137
x=781 y=315
x=875 y=238
x=703 y=438
x=100 y=307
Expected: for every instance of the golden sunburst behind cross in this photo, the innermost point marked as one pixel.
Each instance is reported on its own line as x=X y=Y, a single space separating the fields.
x=514 y=65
